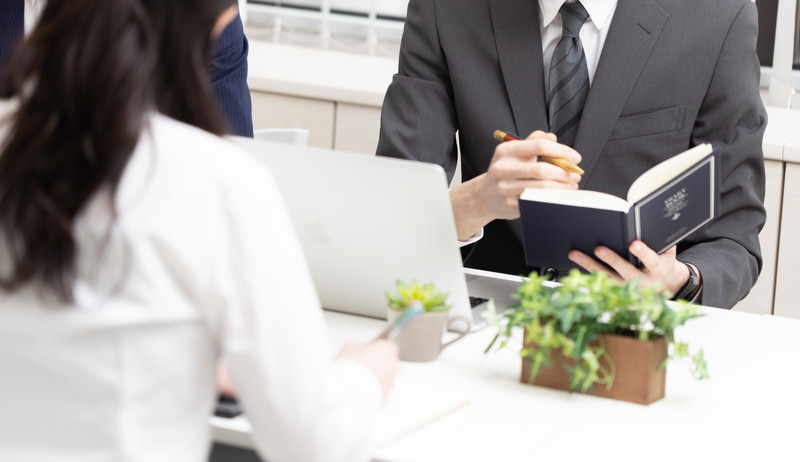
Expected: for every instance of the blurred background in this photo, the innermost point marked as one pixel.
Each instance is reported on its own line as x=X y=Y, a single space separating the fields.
x=374 y=27
x=371 y=27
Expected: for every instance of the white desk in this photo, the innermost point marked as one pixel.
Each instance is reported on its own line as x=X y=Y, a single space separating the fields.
x=748 y=410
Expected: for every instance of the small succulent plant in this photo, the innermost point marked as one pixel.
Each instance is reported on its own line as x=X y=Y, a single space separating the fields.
x=433 y=300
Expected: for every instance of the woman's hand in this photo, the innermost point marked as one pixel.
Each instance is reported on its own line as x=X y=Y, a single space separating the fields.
x=380 y=357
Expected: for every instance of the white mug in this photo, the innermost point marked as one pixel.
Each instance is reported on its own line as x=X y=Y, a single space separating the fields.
x=421 y=339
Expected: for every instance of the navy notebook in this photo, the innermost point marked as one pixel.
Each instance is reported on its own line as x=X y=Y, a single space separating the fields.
x=664 y=205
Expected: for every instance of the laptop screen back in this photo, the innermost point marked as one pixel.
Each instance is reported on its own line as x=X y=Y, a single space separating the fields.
x=365 y=222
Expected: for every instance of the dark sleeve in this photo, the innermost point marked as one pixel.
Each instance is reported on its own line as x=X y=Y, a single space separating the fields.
x=733 y=119
x=12 y=27
x=418 y=119
x=229 y=79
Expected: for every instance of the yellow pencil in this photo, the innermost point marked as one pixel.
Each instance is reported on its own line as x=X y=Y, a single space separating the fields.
x=558 y=161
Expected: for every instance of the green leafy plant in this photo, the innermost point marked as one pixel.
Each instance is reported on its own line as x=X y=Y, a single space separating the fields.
x=433 y=300
x=573 y=315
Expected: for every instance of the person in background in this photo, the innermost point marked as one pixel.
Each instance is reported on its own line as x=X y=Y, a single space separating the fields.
x=229 y=79
x=615 y=85
x=228 y=71
x=137 y=247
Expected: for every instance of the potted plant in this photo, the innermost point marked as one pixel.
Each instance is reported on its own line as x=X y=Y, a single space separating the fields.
x=421 y=339
x=593 y=334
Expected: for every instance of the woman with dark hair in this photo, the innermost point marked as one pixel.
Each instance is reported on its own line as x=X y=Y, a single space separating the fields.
x=137 y=247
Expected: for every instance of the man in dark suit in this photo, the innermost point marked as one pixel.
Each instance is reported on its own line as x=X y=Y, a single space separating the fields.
x=228 y=67
x=665 y=75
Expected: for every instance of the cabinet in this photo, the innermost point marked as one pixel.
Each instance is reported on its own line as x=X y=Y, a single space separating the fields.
x=357 y=128
x=336 y=96
x=272 y=110
x=787 y=295
x=331 y=124
x=760 y=298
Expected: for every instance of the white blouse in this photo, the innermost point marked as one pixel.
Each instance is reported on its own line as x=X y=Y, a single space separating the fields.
x=201 y=262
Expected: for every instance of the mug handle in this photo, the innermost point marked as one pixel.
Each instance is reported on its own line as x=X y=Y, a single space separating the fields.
x=462 y=334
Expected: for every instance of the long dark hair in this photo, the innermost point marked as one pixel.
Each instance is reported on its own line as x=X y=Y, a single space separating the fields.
x=86 y=80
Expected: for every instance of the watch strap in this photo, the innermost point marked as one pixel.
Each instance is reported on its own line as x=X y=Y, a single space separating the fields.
x=690 y=290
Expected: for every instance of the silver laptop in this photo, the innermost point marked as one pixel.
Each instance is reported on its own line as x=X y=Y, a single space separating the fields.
x=365 y=222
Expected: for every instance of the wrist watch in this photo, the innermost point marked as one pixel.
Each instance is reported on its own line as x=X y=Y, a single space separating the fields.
x=690 y=290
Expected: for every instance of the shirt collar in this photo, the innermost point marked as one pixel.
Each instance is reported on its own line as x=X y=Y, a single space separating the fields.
x=599 y=11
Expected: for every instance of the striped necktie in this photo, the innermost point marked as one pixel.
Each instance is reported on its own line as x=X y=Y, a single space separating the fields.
x=12 y=26
x=569 y=76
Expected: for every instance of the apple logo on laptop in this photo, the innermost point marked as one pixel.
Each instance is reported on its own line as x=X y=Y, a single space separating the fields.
x=317 y=232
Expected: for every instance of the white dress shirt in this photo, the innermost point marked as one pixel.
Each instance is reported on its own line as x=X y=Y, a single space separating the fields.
x=202 y=261
x=593 y=33
x=243 y=11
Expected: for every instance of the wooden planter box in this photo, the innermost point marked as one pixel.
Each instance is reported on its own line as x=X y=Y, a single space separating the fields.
x=638 y=379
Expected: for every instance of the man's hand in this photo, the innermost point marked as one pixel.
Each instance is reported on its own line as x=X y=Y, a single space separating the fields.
x=514 y=167
x=664 y=270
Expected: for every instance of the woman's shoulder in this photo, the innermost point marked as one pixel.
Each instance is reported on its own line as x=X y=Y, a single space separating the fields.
x=198 y=151
x=193 y=141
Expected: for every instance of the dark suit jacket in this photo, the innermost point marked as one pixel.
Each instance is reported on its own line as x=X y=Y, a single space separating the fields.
x=229 y=79
x=12 y=26
x=672 y=74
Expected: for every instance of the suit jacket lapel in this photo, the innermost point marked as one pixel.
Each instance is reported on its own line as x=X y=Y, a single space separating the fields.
x=634 y=30
x=519 y=52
